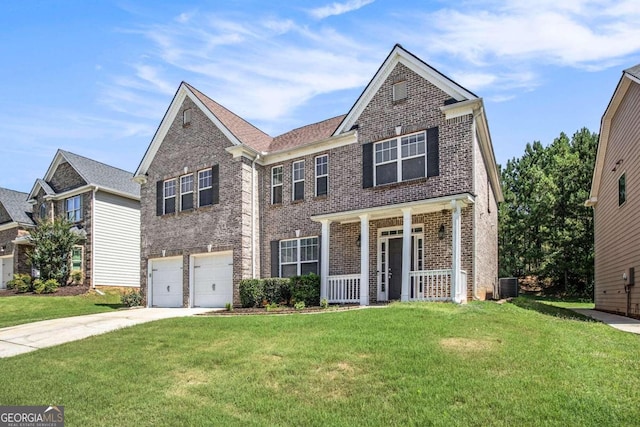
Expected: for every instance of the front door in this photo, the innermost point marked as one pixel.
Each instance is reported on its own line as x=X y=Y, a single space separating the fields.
x=395 y=268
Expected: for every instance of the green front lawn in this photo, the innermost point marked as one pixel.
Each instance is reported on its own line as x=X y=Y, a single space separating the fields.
x=16 y=310
x=409 y=364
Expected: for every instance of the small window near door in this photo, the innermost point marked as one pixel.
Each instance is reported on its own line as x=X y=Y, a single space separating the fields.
x=622 y=190
x=76 y=259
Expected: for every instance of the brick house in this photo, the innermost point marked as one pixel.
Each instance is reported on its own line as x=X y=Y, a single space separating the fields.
x=614 y=201
x=103 y=202
x=396 y=200
x=15 y=222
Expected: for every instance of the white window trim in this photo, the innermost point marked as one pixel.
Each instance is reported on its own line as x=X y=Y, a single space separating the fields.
x=273 y=186
x=323 y=175
x=398 y=160
x=187 y=192
x=164 y=194
x=298 y=262
x=200 y=189
x=81 y=248
x=79 y=210
x=294 y=181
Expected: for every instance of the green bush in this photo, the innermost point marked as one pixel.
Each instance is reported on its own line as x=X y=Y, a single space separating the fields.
x=299 y=305
x=324 y=303
x=258 y=292
x=277 y=290
x=133 y=298
x=306 y=288
x=251 y=292
x=21 y=283
x=45 y=286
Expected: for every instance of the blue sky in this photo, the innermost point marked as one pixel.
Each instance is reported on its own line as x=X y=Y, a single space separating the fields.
x=95 y=77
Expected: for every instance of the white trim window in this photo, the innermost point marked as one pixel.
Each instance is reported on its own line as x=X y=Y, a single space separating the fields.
x=299 y=256
x=43 y=211
x=276 y=185
x=76 y=258
x=322 y=175
x=186 y=192
x=73 y=208
x=410 y=163
x=298 y=180
x=205 y=184
x=169 y=196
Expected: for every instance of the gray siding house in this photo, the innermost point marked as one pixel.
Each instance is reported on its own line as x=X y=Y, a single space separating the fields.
x=15 y=222
x=103 y=202
x=616 y=178
x=394 y=200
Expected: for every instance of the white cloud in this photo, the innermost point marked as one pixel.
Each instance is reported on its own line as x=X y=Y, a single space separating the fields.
x=338 y=8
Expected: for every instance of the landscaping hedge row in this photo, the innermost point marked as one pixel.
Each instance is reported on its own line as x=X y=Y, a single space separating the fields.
x=260 y=292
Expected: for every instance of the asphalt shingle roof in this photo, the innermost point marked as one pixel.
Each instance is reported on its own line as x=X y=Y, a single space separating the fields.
x=15 y=203
x=634 y=71
x=306 y=134
x=102 y=175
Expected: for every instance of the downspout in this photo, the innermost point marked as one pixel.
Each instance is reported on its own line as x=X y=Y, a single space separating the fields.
x=93 y=222
x=253 y=217
x=474 y=136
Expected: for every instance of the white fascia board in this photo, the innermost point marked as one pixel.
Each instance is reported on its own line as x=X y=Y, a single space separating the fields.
x=486 y=148
x=9 y=226
x=332 y=142
x=432 y=205
x=461 y=108
x=243 y=150
x=32 y=194
x=86 y=189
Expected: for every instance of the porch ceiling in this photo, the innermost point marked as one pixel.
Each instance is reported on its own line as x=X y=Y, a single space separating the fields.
x=390 y=211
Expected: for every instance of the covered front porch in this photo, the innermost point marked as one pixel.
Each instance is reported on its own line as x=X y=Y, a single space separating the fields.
x=407 y=252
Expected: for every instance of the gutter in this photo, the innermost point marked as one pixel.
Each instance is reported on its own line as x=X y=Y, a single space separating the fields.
x=93 y=236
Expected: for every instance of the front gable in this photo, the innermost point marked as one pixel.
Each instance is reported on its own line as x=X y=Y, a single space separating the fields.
x=65 y=178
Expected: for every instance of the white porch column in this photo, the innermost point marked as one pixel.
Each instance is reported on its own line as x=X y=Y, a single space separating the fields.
x=364 y=259
x=406 y=253
x=324 y=257
x=456 y=285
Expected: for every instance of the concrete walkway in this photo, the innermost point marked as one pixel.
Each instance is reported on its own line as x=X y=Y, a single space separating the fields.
x=20 y=339
x=622 y=323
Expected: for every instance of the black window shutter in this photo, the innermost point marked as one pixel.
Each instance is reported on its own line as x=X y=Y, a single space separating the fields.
x=367 y=165
x=215 y=184
x=433 y=155
x=275 y=258
x=319 y=256
x=159 y=197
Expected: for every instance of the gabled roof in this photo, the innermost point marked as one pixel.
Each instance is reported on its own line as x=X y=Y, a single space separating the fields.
x=16 y=205
x=629 y=76
x=400 y=55
x=306 y=134
x=94 y=173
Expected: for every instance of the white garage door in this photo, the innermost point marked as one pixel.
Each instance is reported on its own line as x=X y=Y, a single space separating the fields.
x=166 y=282
x=6 y=271
x=213 y=280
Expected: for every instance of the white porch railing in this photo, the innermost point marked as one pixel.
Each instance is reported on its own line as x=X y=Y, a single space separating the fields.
x=344 y=288
x=430 y=285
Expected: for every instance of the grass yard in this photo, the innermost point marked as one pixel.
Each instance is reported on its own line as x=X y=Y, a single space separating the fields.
x=16 y=310
x=482 y=364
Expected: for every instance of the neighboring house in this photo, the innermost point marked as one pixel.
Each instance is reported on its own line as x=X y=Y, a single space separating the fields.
x=396 y=200
x=15 y=221
x=103 y=203
x=616 y=202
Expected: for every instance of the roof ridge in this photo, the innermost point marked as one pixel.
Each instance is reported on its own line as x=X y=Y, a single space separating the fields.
x=95 y=161
x=310 y=124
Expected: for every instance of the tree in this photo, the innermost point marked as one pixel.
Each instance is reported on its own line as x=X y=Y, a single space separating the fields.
x=52 y=242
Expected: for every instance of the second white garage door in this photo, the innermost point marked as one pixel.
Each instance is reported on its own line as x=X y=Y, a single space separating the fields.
x=213 y=279
x=166 y=282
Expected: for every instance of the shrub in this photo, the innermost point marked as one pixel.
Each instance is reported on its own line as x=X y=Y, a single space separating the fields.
x=228 y=306
x=45 y=286
x=21 y=283
x=272 y=306
x=255 y=292
x=324 y=303
x=306 y=288
x=251 y=292
x=277 y=290
x=133 y=298
x=76 y=277
x=299 y=305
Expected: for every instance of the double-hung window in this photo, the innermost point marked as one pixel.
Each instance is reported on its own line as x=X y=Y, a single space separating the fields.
x=205 y=193
x=400 y=159
x=186 y=192
x=298 y=256
x=298 y=180
x=169 y=196
x=276 y=184
x=73 y=208
x=322 y=175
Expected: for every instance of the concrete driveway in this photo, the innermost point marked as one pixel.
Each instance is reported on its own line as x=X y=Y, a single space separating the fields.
x=622 y=323
x=20 y=339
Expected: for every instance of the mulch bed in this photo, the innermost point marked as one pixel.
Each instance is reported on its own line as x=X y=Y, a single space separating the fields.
x=63 y=291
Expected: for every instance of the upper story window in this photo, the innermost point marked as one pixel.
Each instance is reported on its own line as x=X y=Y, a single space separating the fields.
x=186 y=192
x=276 y=184
x=169 y=196
x=400 y=91
x=43 y=211
x=298 y=256
x=407 y=162
x=622 y=189
x=205 y=186
x=298 y=180
x=186 y=117
x=322 y=175
x=73 y=208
